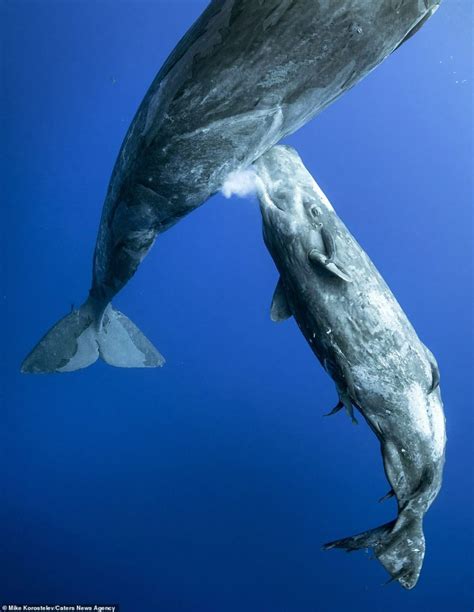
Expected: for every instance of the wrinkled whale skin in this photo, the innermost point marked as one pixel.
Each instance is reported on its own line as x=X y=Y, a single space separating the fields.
x=365 y=342
x=247 y=73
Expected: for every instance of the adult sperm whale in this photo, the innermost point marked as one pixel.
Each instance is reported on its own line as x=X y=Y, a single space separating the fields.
x=365 y=342
x=245 y=75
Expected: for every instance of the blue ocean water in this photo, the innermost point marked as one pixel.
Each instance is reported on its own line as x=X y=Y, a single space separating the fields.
x=210 y=485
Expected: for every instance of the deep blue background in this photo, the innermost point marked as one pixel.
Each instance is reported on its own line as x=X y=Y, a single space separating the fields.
x=211 y=484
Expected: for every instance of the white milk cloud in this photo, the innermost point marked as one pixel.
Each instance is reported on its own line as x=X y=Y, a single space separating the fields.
x=241 y=183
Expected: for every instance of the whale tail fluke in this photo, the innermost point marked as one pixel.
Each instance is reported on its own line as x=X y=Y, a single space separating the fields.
x=398 y=545
x=86 y=334
x=122 y=344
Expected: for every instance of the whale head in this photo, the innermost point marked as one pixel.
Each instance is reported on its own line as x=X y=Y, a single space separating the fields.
x=293 y=206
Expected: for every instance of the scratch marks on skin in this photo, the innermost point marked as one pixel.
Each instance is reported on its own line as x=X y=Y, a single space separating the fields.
x=277 y=13
x=273 y=134
x=437 y=423
x=321 y=196
x=387 y=314
x=202 y=46
x=238 y=122
x=306 y=104
x=417 y=400
x=153 y=106
x=279 y=75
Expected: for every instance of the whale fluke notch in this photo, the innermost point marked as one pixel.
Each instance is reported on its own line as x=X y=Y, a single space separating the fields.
x=86 y=334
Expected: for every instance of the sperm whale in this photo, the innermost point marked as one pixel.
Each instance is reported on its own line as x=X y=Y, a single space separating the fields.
x=363 y=339
x=245 y=75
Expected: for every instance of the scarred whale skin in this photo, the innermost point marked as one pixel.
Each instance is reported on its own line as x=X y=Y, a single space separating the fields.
x=365 y=342
x=248 y=73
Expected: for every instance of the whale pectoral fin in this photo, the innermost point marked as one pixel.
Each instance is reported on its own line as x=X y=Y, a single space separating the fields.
x=336 y=270
x=337 y=407
x=435 y=375
x=344 y=402
x=280 y=309
x=318 y=258
x=387 y=495
x=329 y=244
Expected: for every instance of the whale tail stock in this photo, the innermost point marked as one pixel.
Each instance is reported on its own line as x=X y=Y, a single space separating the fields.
x=86 y=334
x=398 y=545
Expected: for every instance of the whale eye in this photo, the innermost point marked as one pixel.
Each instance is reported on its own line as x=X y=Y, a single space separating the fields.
x=314 y=212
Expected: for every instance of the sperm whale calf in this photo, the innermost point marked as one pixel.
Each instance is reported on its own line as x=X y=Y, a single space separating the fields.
x=363 y=339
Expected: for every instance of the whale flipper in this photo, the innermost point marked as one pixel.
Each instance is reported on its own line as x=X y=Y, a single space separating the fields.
x=318 y=258
x=280 y=309
x=387 y=495
x=328 y=260
x=329 y=244
x=335 y=410
x=81 y=337
x=435 y=375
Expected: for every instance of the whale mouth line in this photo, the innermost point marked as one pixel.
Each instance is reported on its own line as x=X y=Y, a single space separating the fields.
x=266 y=201
x=271 y=204
x=414 y=29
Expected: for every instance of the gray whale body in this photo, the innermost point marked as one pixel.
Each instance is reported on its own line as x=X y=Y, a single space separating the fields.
x=245 y=75
x=365 y=342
